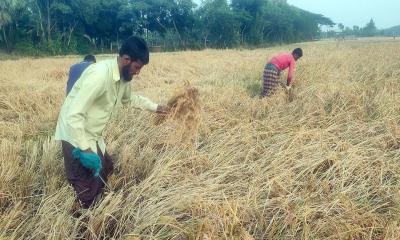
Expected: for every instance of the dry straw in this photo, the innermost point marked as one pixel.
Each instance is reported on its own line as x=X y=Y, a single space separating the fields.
x=185 y=109
x=324 y=166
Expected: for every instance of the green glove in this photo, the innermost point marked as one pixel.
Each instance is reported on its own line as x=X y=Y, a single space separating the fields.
x=88 y=160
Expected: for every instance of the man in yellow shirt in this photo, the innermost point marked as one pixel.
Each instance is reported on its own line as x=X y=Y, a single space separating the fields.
x=86 y=111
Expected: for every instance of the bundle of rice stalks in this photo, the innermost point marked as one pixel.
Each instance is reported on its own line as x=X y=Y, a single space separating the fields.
x=289 y=92
x=184 y=107
x=290 y=95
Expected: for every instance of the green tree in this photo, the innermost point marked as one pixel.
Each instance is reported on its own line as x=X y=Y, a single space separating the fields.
x=348 y=31
x=276 y=21
x=12 y=14
x=70 y=26
x=340 y=26
x=356 y=30
x=370 y=29
x=251 y=14
x=218 y=24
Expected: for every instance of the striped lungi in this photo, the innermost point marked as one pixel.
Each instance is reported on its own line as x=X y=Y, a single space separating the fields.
x=270 y=79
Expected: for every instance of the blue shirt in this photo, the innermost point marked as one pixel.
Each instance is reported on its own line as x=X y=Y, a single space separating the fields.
x=75 y=72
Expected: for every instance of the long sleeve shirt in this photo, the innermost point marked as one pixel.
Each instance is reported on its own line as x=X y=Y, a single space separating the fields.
x=283 y=61
x=75 y=72
x=89 y=106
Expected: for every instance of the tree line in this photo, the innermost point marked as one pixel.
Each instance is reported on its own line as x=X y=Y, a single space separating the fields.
x=55 y=27
x=368 y=30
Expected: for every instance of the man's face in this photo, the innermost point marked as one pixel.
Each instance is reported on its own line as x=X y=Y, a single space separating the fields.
x=296 y=57
x=130 y=68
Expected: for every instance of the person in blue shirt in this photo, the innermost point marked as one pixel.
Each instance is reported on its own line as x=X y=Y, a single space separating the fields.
x=77 y=69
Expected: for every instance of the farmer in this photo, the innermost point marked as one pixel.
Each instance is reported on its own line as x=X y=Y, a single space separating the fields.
x=273 y=70
x=86 y=111
x=77 y=69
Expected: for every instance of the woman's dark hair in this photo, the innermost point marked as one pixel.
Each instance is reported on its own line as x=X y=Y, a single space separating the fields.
x=136 y=48
x=298 y=52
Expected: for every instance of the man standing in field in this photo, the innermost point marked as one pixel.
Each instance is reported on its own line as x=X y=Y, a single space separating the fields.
x=86 y=111
x=273 y=70
x=77 y=69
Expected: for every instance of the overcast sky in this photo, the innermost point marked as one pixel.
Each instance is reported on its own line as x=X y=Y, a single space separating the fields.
x=386 y=13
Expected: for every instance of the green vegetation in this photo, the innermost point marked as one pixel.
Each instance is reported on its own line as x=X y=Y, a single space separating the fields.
x=37 y=27
x=369 y=30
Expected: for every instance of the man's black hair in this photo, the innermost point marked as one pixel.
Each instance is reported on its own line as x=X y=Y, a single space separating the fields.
x=298 y=52
x=136 y=48
x=89 y=58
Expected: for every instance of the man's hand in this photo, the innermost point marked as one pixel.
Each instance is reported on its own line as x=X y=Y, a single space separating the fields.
x=288 y=87
x=162 y=109
x=88 y=159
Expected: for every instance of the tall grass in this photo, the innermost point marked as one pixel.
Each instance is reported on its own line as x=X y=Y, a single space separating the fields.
x=323 y=166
